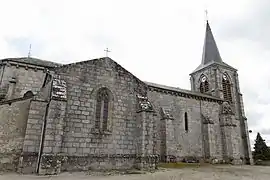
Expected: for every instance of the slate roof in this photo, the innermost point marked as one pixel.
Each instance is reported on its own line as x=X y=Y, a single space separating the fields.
x=176 y=89
x=33 y=61
x=211 y=53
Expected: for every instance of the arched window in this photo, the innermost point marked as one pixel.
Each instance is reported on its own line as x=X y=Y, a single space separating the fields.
x=226 y=88
x=204 y=85
x=186 y=122
x=28 y=94
x=102 y=109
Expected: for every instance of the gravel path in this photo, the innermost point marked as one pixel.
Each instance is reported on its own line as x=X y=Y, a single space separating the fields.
x=203 y=173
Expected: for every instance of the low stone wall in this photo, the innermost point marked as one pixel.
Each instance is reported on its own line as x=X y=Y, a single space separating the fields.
x=198 y=159
x=54 y=164
x=9 y=161
x=99 y=163
x=28 y=163
x=174 y=159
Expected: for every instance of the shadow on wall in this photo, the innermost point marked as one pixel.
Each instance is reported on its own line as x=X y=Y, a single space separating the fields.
x=13 y=122
x=28 y=94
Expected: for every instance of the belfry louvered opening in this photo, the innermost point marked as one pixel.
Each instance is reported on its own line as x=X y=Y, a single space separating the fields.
x=226 y=88
x=204 y=85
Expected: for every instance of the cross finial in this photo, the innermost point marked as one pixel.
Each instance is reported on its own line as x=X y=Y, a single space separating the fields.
x=107 y=51
x=29 y=52
x=206 y=15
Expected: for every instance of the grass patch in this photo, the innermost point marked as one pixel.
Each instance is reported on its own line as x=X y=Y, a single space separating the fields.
x=114 y=172
x=263 y=163
x=179 y=165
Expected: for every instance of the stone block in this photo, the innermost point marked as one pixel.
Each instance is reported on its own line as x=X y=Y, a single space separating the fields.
x=47 y=149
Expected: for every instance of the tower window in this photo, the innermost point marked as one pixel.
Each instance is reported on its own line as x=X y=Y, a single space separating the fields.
x=102 y=109
x=226 y=88
x=204 y=85
x=186 y=122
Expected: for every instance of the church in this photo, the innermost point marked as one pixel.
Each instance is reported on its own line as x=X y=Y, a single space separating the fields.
x=95 y=114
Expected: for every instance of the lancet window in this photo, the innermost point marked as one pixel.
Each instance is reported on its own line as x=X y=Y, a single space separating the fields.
x=102 y=109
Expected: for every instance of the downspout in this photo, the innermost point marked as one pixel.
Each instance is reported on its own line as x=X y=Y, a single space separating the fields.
x=43 y=130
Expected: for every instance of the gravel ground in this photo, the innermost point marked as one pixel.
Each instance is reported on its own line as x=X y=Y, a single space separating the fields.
x=202 y=173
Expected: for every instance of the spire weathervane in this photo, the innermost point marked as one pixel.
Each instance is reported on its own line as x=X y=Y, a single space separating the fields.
x=206 y=15
x=29 y=52
x=107 y=51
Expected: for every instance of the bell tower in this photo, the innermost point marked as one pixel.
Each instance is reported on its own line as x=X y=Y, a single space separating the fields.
x=217 y=78
x=207 y=77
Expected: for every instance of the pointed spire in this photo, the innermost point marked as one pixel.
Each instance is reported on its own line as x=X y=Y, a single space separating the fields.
x=210 y=50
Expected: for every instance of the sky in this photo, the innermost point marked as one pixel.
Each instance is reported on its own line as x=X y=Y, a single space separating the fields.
x=159 y=41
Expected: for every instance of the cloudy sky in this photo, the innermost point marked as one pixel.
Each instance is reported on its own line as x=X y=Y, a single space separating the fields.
x=157 y=40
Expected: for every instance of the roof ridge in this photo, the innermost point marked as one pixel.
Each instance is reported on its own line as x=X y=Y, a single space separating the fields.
x=33 y=61
x=180 y=90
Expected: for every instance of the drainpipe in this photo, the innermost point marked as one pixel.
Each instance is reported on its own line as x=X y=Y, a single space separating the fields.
x=41 y=146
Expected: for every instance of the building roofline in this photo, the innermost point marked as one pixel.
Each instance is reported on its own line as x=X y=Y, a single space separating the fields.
x=203 y=67
x=181 y=92
x=40 y=62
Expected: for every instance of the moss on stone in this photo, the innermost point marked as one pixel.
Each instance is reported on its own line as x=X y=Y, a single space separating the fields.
x=179 y=165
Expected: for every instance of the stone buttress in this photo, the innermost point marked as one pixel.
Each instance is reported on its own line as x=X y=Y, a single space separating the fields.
x=43 y=139
x=146 y=137
x=230 y=140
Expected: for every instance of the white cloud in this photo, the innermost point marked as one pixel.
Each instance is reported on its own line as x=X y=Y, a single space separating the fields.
x=166 y=35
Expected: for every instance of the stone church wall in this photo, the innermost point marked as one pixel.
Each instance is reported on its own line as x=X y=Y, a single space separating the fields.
x=210 y=119
x=33 y=133
x=24 y=78
x=1 y=72
x=13 y=122
x=86 y=147
x=214 y=74
x=182 y=143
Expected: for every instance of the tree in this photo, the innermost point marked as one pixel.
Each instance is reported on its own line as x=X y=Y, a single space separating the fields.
x=261 y=151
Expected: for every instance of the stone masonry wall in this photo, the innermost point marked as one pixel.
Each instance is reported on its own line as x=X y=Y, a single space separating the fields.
x=211 y=111
x=31 y=146
x=146 y=140
x=245 y=147
x=13 y=121
x=52 y=145
x=190 y=143
x=26 y=79
x=214 y=75
x=1 y=72
x=114 y=149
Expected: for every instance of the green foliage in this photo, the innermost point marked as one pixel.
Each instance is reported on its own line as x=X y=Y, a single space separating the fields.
x=179 y=165
x=261 y=151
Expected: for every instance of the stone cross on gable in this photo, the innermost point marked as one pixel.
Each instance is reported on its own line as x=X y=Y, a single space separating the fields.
x=107 y=51
x=29 y=52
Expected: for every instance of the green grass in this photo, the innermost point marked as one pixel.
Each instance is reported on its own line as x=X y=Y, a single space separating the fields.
x=180 y=165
